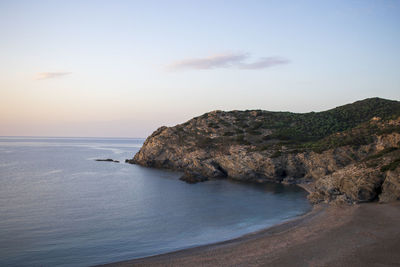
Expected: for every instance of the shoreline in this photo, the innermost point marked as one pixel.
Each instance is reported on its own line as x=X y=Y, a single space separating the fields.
x=331 y=235
x=277 y=228
x=271 y=228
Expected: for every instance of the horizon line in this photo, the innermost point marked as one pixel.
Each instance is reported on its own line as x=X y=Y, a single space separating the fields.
x=76 y=137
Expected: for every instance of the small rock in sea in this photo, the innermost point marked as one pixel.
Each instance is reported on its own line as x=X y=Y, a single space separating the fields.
x=110 y=160
x=193 y=177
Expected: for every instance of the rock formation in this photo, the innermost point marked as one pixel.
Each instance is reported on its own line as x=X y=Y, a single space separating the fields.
x=108 y=160
x=347 y=154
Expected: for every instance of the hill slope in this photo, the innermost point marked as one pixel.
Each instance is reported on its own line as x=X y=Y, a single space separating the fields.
x=259 y=146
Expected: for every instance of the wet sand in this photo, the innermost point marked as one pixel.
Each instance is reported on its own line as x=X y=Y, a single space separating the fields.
x=360 y=235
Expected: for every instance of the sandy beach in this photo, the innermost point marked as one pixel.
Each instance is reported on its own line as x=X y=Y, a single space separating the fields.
x=359 y=235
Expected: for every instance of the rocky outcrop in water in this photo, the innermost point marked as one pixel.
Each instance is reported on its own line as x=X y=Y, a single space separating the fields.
x=355 y=164
x=108 y=160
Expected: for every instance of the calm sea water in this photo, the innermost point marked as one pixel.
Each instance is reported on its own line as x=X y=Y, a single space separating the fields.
x=59 y=207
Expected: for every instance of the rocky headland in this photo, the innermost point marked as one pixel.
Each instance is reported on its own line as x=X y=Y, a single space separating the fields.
x=347 y=154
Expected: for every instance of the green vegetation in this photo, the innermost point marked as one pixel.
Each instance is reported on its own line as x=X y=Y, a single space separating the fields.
x=276 y=154
x=315 y=126
x=391 y=166
x=204 y=142
x=256 y=125
x=348 y=138
x=239 y=131
x=225 y=123
x=254 y=132
x=213 y=125
x=228 y=134
x=240 y=138
x=381 y=153
x=295 y=132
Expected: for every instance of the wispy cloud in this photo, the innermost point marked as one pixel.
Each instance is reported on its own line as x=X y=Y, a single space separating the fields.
x=50 y=75
x=210 y=62
x=232 y=60
x=264 y=63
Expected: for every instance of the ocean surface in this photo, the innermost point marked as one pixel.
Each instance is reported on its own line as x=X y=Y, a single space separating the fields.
x=60 y=207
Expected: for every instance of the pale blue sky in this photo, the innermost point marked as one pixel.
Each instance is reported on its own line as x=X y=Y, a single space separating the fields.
x=123 y=68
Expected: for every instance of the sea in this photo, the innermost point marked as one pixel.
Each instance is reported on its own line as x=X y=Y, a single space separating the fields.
x=60 y=207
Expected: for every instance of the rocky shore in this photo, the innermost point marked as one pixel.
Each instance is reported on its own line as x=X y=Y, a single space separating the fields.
x=347 y=155
x=357 y=164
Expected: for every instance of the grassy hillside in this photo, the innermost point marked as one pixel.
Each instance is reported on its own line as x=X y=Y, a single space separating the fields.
x=315 y=130
x=314 y=126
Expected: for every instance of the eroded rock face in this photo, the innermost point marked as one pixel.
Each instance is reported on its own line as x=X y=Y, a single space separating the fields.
x=162 y=150
x=391 y=186
x=203 y=148
x=351 y=184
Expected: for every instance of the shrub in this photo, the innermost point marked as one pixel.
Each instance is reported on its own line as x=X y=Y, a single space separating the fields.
x=391 y=166
x=381 y=153
x=228 y=134
x=213 y=125
x=253 y=132
x=276 y=154
x=239 y=131
x=204 y=142
x=240 y=138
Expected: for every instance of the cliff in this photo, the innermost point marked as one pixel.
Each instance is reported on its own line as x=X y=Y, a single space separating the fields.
x=349 y=153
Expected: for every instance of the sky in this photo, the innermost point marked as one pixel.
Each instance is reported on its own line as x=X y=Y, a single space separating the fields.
x=125 y=68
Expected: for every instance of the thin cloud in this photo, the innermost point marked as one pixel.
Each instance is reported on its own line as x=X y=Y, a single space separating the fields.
x=50 y=75
x=227 y=61
x=211 y=62
x=264 y=63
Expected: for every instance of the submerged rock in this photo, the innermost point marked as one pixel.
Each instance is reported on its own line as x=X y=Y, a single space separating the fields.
x=193 y=177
